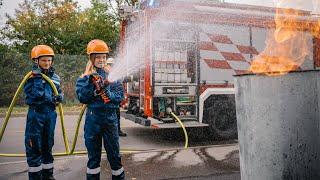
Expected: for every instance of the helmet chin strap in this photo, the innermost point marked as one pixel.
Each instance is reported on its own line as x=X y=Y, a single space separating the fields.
x=94 y=66
x=36 y=61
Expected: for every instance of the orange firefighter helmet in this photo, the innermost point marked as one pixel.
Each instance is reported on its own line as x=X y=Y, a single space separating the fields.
x=41 y=50
x=97 y=46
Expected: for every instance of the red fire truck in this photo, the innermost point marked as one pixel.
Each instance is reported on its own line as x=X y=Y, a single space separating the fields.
x=190 y=51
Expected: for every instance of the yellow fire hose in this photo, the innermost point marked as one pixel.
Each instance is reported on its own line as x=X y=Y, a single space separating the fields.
x=83 y=108
x=73 y=152
x=68 y=151
x=183 y=128
x=13 y=102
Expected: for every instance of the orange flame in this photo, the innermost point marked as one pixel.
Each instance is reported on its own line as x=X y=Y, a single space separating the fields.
x=288 y=45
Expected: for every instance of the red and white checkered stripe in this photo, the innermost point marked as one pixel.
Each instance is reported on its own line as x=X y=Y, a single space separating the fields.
x=219 y=52
x=226 y=58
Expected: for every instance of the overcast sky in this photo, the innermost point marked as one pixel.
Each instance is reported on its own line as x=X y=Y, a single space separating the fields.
x=9 y=5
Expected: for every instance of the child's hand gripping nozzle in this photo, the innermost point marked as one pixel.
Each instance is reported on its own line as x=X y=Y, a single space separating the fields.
x=99 y=85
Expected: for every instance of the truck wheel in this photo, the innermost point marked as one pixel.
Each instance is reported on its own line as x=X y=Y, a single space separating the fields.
x=220 y=113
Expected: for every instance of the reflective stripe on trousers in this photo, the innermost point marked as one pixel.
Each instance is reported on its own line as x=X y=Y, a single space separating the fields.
x=35 y=169
x=117 y=172
x=39 y=168
x=93 y=171
x=47 y=166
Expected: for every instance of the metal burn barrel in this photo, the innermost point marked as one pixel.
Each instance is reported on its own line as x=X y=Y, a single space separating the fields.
x=279 y=125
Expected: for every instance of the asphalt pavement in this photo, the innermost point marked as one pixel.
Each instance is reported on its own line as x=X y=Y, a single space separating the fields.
x=161 y=154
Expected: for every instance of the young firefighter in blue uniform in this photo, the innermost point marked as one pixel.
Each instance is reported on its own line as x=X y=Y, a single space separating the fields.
x=103 y=100
x=41 y=118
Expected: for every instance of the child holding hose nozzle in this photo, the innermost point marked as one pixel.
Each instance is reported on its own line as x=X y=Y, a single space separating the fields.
x=41 y=118
x=102 y=98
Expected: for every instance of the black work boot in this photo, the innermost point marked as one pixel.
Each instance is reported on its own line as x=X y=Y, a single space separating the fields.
x=50 y=177
x=47 y=174
x=121 y=133
x=34 y=175
x=93 y=176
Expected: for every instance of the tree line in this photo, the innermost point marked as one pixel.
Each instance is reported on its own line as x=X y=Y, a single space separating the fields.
x=61 y=24
x=64 y=26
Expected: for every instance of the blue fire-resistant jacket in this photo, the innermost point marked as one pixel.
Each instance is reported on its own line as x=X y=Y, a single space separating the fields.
x=39 y=93
x=85 y=92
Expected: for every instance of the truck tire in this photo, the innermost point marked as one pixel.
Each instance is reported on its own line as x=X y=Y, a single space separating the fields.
x=220 y=113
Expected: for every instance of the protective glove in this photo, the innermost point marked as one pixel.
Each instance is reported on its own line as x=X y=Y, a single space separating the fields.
x=98 y=83
x=57 y=99
x=94 y=77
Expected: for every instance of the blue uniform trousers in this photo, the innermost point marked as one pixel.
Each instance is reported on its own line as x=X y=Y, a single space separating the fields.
x=101 y=125
x=39 y=140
